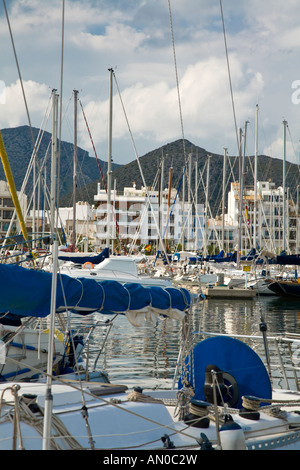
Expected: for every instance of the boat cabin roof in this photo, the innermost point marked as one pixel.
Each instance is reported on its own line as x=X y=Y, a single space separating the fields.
x=120 y=263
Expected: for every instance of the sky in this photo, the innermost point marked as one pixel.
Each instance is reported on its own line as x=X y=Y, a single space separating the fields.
x=172 y=78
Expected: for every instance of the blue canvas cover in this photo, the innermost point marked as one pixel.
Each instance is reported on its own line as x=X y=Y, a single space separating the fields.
x=232 y=356
x=160 y=299
x=87 y=259
x=139 y=297
x=25 y=292
x=179 y=298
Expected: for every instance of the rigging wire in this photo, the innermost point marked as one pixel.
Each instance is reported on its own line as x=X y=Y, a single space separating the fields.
x=60 y=102
x=229 y=74
x=93 y=145
x=138 y=162
x=176 y=75
x=19 y=71
x=102 y=176
x=34 y=142
x=294 y=151
x=29 y=169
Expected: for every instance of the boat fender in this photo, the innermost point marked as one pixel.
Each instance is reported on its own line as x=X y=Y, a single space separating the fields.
x=231 y=435
x=88 y=265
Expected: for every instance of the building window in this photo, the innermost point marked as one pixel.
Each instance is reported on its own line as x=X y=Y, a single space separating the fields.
x=7 y=214
x=7 y=202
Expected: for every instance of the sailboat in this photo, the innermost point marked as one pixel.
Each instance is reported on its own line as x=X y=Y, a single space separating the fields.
x=123 y=269
x=103 y=266
x=223 y=400
x=285 y=287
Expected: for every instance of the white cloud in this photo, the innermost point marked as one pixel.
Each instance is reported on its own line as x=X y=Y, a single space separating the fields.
x=116 y=37
x=153 y=111
x=13 y=110
x=135 y=39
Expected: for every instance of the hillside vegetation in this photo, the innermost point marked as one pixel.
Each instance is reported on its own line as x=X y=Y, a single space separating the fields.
x=19 y=148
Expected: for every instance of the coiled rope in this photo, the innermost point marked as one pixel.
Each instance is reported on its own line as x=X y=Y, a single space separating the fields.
x=23 y=413
x=138 y=396
x=251 y=403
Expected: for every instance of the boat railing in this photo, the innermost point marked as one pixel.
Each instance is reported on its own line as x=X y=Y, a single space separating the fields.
x=93 y=334
x=279 y=353
x=16 y=250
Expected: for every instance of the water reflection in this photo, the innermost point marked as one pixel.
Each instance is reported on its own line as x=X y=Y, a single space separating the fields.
x=146 y=356
x=282 y=315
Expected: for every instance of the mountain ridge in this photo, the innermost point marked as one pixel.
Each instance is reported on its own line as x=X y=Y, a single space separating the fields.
x=19 y=147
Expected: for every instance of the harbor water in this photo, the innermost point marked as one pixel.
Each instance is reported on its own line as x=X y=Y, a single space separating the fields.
x=146 y=356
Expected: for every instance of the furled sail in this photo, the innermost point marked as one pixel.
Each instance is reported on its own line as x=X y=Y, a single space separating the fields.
x=26 y=293
x=86 y=259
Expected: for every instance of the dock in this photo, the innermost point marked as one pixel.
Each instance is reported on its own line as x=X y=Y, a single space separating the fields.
x=224 y=292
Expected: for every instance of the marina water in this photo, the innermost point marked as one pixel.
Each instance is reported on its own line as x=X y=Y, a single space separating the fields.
x=146 y=356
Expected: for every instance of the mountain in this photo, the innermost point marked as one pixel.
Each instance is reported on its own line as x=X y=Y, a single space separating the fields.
x=19 y=147
x=175 y=154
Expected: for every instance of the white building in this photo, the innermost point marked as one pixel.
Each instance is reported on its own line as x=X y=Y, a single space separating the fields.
x=84 y=227
x=221 y=236
x=7 y=209
x=142 y=217
x=269 y=218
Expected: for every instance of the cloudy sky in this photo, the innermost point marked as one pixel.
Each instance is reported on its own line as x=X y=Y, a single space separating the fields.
x=134 y=38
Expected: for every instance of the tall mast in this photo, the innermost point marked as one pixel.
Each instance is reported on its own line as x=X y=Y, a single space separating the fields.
x=206 y=205
x=255 y=179
x=109 y=159
x=223 y=199
x=74 y=169
x=242 y=180
x=183 y=212
x=48 y=396
x=241 y=200
x=196 y=204
x=47 y=424
x=160 y=202
x=53 y=160
x=168 y=204
x=284 y=183
x=190 y=212
x=34 y=201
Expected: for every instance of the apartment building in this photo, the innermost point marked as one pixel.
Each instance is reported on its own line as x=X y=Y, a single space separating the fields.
x=144 y=216
x=274 y=229
x=84 y=226
x=7 y=209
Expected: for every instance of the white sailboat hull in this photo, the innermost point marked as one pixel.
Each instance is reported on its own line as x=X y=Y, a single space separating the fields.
x=26 y=353
x=115 y=422
x=120 y=268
